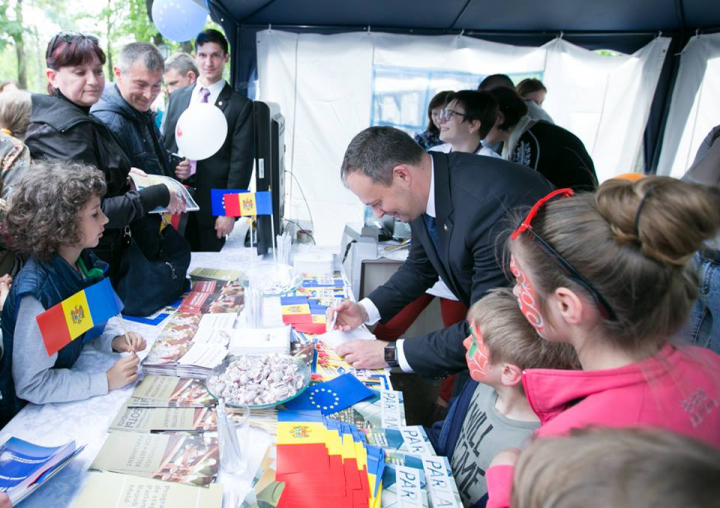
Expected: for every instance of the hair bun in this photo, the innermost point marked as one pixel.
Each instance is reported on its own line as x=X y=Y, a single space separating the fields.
x=667 y=218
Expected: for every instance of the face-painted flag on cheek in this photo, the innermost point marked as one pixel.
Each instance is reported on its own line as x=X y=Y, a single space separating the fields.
x=71 y=318
x=239 y=203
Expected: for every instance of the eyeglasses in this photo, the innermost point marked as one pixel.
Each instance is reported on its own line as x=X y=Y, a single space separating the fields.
x=67 y=37
x=447 y=114
x=568 y=270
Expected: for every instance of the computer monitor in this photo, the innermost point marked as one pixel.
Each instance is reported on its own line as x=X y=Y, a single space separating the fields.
x=269 y=169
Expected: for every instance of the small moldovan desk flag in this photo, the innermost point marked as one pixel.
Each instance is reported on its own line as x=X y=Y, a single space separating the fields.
x=239 y=203
x=69 y=319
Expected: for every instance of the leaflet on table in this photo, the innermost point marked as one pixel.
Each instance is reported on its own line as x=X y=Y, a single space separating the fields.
x=199 y=274
x=124 y=491
x=142 y=182
x=252 y=341
x=25 y=466
x=178 y=458
x=167 y=391
x=164 y=419
x=314 y=280
x=207 y=356
x=411 y=439
x=386 y=410
x=215 y=286
x=334 y=338
x=211 y=324
x=211 y=303
x=320 y=293
x=434 y=473
x=174 y=341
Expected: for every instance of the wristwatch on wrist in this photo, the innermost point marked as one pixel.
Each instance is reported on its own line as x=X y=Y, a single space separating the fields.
x=391 y=355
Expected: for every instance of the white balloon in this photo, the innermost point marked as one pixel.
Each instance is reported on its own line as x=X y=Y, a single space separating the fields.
x=200 y=131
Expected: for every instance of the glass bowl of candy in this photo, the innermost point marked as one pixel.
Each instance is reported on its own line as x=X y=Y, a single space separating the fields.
x=258 y=381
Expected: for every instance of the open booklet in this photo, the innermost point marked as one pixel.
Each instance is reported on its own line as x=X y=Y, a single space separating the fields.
x=146 y=181
x=123 y=491
x=25 y=466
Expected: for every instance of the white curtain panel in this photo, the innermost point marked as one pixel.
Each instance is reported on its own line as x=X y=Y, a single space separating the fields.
x=324 y=85
x=695 y=106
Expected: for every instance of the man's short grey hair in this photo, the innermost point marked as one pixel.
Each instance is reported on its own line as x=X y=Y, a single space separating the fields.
x=143 y=52
x=377 y=150
x=182 y=63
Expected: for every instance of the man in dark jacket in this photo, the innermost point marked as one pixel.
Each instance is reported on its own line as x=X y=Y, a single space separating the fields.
x=125 y=108
x=231 y=167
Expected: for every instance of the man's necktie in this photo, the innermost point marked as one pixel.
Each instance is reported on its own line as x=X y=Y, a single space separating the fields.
x=204 y=95
x=430 y=223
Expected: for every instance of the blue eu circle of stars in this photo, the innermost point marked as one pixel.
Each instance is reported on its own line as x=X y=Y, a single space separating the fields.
x=324 y=399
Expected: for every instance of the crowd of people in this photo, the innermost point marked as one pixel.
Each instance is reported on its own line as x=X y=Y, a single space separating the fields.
x=595 y=380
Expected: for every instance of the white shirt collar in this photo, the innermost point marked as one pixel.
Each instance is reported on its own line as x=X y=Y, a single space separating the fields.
x=430 y=209
x=215 y=90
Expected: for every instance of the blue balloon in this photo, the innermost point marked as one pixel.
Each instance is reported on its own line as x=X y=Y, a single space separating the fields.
x=178 y=20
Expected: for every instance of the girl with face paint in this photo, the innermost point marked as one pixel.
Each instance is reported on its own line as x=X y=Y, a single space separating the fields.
x=610 y=274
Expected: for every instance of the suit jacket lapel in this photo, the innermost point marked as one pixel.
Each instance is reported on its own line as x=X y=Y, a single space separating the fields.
x=444 y=211
x=224 y=97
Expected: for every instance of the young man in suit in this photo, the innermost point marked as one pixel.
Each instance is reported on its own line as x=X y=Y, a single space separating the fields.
x=455 y=204
x=231 y=166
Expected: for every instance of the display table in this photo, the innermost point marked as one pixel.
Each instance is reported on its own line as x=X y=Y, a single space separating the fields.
x=87 y=421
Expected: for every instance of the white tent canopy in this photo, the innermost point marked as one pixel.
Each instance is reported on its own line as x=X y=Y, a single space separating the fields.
x=330 y=87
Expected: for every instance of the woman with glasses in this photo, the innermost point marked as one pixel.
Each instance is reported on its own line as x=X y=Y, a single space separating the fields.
x=552 y=151
x=611 y=273
x=465 y=121
x=61 y=127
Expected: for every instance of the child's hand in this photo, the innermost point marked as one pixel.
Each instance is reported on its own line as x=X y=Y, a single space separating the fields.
x=123 y=372
x=132 y=344
x=4 y=500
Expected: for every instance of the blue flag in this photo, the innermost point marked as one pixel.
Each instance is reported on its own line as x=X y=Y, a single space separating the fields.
x=332 y=396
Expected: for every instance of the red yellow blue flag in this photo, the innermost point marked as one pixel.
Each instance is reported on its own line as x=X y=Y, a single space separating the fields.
x=69 y=319
x=235 y=203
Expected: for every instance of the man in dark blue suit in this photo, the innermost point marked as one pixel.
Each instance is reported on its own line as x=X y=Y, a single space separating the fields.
x=455 y=204
x=231 y=166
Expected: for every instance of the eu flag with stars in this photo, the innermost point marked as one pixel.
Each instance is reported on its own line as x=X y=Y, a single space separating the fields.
x=332 y=396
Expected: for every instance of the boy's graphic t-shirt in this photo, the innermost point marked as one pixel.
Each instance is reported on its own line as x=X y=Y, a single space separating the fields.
x=485 y=433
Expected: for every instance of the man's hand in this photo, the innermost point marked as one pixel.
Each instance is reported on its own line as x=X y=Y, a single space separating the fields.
x=350 y=315
x=182 y=170
x=364 y=354
x=224 y=226
x=177 y=202
x=131 y=343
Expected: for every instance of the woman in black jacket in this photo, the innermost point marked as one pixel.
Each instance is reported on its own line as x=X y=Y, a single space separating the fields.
x=61 y=128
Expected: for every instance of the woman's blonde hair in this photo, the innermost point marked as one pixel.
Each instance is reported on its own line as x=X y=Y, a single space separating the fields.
x=633 y=241
x=621 y=468
x=15 y=112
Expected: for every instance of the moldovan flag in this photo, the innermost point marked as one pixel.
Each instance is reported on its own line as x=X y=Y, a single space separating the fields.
x=236 y=203
x=69 y=319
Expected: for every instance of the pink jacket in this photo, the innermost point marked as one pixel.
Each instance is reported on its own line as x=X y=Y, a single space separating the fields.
x=677 y=390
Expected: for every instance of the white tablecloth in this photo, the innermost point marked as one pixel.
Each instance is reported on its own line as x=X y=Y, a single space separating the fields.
x=87 y=421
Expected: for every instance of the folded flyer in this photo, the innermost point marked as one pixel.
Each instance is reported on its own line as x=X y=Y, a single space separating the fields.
x=124 y=491
x=178 y=458
x=168 y=391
